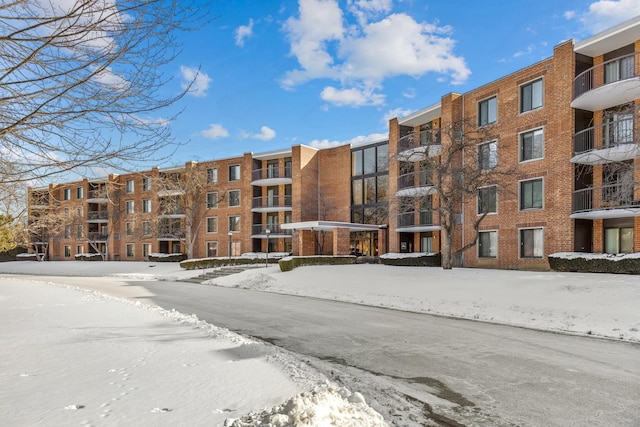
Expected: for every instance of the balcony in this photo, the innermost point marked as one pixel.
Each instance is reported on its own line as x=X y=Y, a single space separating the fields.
x=407 y=222
x=97 y=237
x=605 y=202
x=98 y=216
x=98 y=196
x=271 y=176
x=614 y=141
x=258 y=231
x=416 y=145
x=415 y=184
x=271 y=204
x=171 y=235
x=608 y=84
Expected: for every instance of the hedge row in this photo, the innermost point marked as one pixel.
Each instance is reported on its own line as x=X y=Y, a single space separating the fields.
x=289 y=263
x=10 y=255
x=427 y=260
x=202 y=263
x=595 y=265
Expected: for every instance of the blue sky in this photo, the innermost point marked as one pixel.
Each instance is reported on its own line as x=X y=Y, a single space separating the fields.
x=324 y=72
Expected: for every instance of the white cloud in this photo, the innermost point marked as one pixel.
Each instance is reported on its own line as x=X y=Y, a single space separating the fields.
x=266 y=134
x=195 y=81
x=570 y=14
x=409 y=93
x=367 y=53
x=603 y=14
x=215 y=131
x=397 y=112
x=352 y=97
x=325 y=143
x=243 y=32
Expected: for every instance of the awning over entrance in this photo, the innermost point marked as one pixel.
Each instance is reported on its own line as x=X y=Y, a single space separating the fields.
x=303 y=243
x=330 y=226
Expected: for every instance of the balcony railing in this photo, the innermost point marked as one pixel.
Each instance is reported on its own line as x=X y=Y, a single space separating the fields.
x=97 y=236
x=171 y=234
x=613 y=196
x=611 y=71
x=408 y=219
x=274 y=229
x=97 y=215
x=271 y=202
x=271 y=173
x=610 y=134
x=415 y=179
x=97 y=194
x=419 y=139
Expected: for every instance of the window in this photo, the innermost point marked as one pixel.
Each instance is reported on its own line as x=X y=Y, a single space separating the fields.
x=79 y=212
x=212 y=249
x=79 y=249
x=619 y=69
x=129 y=186
x=356 y=192
x=234 y=198
x=146 y=206
x=488 y=155
x=67 y=251
x=356 y=163
x=488 y=244
x=234 y=223
x=212 y=176
x=129 y=206
x=67 y=231
x=146 y=249
x=212 y=224
x=487 y=200
x=128 y=229
x=146 y=228
x=130 y=250
x=67 y=212
x=234 y=173
x=488 y=111
x=531 y=194
x=79 y=231
x=370 y=160
x=618 y=240
x=272 y=169
x=79 y=193
x=531 y=240
x=531 y=145
x=146 y=184
x=531 y=96
x=67 y=194
x=212 y=200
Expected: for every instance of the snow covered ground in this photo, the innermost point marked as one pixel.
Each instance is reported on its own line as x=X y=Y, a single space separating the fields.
x=85 y=358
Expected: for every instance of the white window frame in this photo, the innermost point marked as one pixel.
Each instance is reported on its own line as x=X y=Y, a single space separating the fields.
x=146 y=184
x=520 y=144
x=206 y=248
x=495 y=241
x=520 y=204
x=67 y=251
x=129 y=186
x=146 y=249
x=487 y=100
x=146 y=205
x=212 y=175
x=129 y=206
x=146 y=228
x=239 y=223
x=533 y=105
x=67 y=194
x=215 y=197
x=215 y=220
x=239 y=172
x=494 y=143
x=79 y=193
x=235 y=205
x=128 y=229
x=478 y=211
x=521 y=243
x=79 y=249
x=130 y=250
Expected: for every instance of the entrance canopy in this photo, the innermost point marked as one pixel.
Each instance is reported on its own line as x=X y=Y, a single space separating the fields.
x=330 y=226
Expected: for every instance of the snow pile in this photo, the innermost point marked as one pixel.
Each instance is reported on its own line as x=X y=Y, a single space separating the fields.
x=396 y=255
x=324 y=406
x=585 y=255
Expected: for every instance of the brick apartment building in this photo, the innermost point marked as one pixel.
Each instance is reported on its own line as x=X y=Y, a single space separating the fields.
x=566 y=127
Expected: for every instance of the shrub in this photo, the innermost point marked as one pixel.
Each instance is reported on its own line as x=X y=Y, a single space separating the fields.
x=595 y=263
x=167 y=257
x=89 y=257
x=202 y=263
x=289 y=263
x=412 y=260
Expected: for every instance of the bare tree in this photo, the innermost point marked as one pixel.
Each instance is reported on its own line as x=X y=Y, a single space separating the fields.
x=182 y=204
x=316 y=204
x=443 y=171
x=42 y=227
x=106 y=207
x=82 y=82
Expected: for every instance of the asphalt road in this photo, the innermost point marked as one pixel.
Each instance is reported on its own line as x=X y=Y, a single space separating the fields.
x=421 y=369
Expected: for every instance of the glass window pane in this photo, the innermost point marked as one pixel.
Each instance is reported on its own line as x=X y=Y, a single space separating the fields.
x=370 y=190
x=356 y=192
x=383 y=158
x=356 y=163
x=383 y=188
x=626 y=240
x=611 y=240
x=370 y=160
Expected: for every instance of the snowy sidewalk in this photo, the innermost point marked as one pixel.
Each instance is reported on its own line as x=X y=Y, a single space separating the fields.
x=77 y=358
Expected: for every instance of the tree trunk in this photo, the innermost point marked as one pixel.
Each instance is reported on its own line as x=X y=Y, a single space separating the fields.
x=445 y=252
